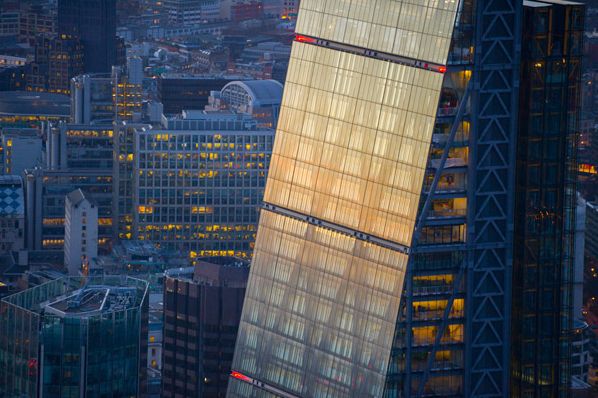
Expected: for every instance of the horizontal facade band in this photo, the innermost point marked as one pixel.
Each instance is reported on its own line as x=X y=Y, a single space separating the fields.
x=415 y=63
x=264 y=386
x=337 y=228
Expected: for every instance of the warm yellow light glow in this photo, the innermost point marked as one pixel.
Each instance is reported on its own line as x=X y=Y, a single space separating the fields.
x=145 y=209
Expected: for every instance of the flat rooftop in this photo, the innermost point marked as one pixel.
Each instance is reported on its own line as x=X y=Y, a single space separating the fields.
x=92 y=300
x=82 y=297
x=30 y=103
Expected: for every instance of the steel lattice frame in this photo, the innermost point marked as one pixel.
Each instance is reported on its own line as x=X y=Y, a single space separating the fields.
x=490 y=201
x=491 y=197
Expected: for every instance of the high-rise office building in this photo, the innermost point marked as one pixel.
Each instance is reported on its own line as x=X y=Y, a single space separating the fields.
x=21 y=148
x=543 y=263
x=24 y=20
x=285 y=9
x=75 y=337
x=78 y=157
x=342 y=197
x=202 y=308
x=193 y=12
x=454 y=334
x=123 y=179
x=430 y=338
x=36 y=19
x=9 y=22
x=58 y=58
x=198 y=182
x=591 y=240
x=107 y=97
x=94 y=23
x=46 y=191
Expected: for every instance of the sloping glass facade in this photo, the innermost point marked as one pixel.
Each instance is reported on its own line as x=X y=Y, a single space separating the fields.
x=440 y=250
x=341 y=200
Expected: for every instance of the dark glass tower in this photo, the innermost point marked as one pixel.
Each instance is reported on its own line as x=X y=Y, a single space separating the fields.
x=467 y=323
x=202 y=309
x=75 y=337
x=545 y=198
x=94 y=22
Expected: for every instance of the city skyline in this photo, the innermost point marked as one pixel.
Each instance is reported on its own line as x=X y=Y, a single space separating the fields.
x=315 y=198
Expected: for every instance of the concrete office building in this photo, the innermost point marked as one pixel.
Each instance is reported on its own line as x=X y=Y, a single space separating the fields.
x=284 y=9
x=29 y=110
x=79 y=147
x=183 y=12
x=80 y=233
x=78 y=156
x=198 y=183
x=75 y=336
x=202 y=308
x=135 y=70
x=46 y=191
x=24 y=20
x=124 y=178
x=21 y=149
x=36 y=19
x=104 y=98
x=194 y=12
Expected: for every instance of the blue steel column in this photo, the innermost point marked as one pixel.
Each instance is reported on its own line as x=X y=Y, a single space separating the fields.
x=491 y=197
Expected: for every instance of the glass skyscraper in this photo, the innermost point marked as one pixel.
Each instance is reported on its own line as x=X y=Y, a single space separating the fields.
x=342 y=197
x=94 y=22
x=75 y=337
x=542 y=317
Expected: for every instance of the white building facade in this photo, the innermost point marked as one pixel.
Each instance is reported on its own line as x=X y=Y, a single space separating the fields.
x=81 y=232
